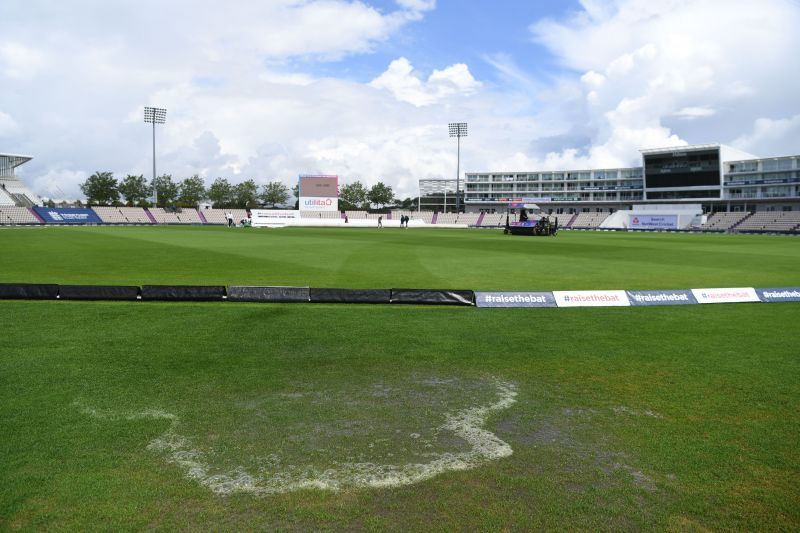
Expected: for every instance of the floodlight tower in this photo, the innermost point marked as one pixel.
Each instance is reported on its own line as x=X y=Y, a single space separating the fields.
x=458 y=130
x=155 y=115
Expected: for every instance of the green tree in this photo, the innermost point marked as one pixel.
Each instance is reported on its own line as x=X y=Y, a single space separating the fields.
x=296 y=193
x=134 y=189
x=221 y=193
x=245 y=194
x=166 y=189
x=274 y=193
x=352 y=196
x=191 y=191
x=101 y=188
x=380 y=194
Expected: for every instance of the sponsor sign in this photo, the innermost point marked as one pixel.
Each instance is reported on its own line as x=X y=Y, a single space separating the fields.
x=727 y=295
x=591 y=298
x=666 y=297
x=515 y=299
x=273 y=217
x=318 y=204
x=653 y=221
x=535 y=200
x=770 y=181
x=779 y=294
x=67 y=215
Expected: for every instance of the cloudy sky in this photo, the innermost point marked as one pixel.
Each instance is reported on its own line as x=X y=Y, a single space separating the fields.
x=364 y=89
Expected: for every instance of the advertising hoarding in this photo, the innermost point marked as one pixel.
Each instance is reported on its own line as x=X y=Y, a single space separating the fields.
x=653 y=221
x=273 y=217
x=662 y=297
x=591 y=298
x=725 y=295
x=779 y=294
x=67 y=215
x=515 y=299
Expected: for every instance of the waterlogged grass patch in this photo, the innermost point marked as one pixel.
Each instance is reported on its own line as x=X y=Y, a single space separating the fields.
x=381 y=435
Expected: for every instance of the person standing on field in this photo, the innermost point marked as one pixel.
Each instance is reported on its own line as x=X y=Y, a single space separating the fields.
x=380 y=221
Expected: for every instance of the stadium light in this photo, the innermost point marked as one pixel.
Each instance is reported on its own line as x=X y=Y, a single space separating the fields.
x=155 y=115
x=458 y=130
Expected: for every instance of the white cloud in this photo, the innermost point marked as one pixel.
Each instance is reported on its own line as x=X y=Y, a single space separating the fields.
x=772 y=137
x=18 y=61
x=7 y=124
x=648 y=71
x=401 y=80
x=691 y=113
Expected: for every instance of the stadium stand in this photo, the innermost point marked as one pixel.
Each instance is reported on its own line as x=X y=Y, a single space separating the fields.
x=470 y=219
x=5 y=198
x=589 y=220
x=17 y=215
x=110 y=215
x=723 y=221
x=321 y=214
x=425 y=216
x=135 y=215
x=355 y=215
x=494 y=219
x=184 y=216
x=447 y=218
x=217 y=216
x=771 y=221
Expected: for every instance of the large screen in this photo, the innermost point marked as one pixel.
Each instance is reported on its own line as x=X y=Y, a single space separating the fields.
x=319 y=193
x=682 y=169
x=319 y=186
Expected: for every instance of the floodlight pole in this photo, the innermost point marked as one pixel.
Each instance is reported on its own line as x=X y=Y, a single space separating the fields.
x=458 y=130
x=155 y=189
x=155 y=115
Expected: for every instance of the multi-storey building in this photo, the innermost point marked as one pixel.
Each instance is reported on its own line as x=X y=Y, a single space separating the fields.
x=12 y=191
x=712 y=175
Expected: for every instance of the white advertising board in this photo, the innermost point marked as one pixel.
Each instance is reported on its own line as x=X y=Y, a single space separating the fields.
x=317 y=203
x=724 y=296
x=273 y=217
x=591 y=298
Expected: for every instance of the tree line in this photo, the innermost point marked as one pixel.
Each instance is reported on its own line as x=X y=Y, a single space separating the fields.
x=102 y=188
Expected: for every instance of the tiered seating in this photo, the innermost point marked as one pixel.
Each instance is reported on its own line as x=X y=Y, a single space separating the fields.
x=321 y=214
x=17 y=215
x=5 y=198
x=217 y=216
x=185 y=216
x=447 y=218
x=110 y=215
x=135 y=215
x=425 y=216
x=589 y=220
x=771 y=221
x=188 y=215
x=723 y=221
x=164 y=217
x=470 y=219
x=494 y=219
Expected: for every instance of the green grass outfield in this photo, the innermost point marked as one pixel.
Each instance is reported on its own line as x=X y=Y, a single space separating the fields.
x=416 y=258
x=223 y=416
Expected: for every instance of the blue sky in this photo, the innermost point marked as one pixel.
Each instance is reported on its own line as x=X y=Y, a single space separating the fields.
x=461 y=32
x=364 y=89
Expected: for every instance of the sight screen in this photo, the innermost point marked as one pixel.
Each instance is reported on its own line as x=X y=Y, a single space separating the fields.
x=682 y=169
